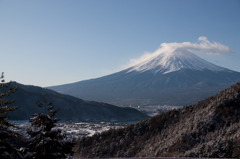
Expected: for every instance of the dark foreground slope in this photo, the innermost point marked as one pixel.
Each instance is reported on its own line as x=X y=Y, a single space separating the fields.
x=69 y=108
x=207 y=129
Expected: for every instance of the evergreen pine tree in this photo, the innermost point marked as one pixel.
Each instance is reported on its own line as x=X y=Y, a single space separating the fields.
x=46 y=141
x=7 y=150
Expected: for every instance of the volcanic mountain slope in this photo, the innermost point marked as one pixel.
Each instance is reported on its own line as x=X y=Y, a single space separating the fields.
x=173 y=78
x=207 y=129
x=69 y=108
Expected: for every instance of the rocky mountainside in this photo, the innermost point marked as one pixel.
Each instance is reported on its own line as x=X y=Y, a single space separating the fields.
x=69 y=108
x=169 y=78
x=209 y=128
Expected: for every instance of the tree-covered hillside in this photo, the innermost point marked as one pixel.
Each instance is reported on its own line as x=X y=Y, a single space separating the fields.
x=209 y=128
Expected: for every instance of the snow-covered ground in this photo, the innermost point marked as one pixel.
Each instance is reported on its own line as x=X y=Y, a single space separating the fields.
x=81 y=129
x=75 y=130
x=153 y=110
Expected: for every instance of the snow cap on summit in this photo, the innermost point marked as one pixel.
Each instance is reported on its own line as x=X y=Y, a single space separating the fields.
x=204 y=46
x=172 y=57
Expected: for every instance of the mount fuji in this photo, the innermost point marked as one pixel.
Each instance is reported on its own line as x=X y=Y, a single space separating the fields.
x=178 y=77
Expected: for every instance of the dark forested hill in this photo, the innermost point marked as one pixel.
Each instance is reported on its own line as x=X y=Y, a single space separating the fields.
x=210 y=128
x=69 y=108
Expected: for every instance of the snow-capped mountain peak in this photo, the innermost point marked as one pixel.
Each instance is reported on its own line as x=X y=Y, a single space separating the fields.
x=166 y=62
x=166 y=78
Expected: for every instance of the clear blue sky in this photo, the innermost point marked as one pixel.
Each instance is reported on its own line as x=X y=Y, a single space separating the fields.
x=51 y=42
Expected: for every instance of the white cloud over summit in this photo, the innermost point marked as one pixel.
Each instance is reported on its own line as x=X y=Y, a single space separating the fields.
x=203 y=46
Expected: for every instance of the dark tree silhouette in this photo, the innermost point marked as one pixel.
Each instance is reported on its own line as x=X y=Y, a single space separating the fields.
x=7 y=150
x=46 y=141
